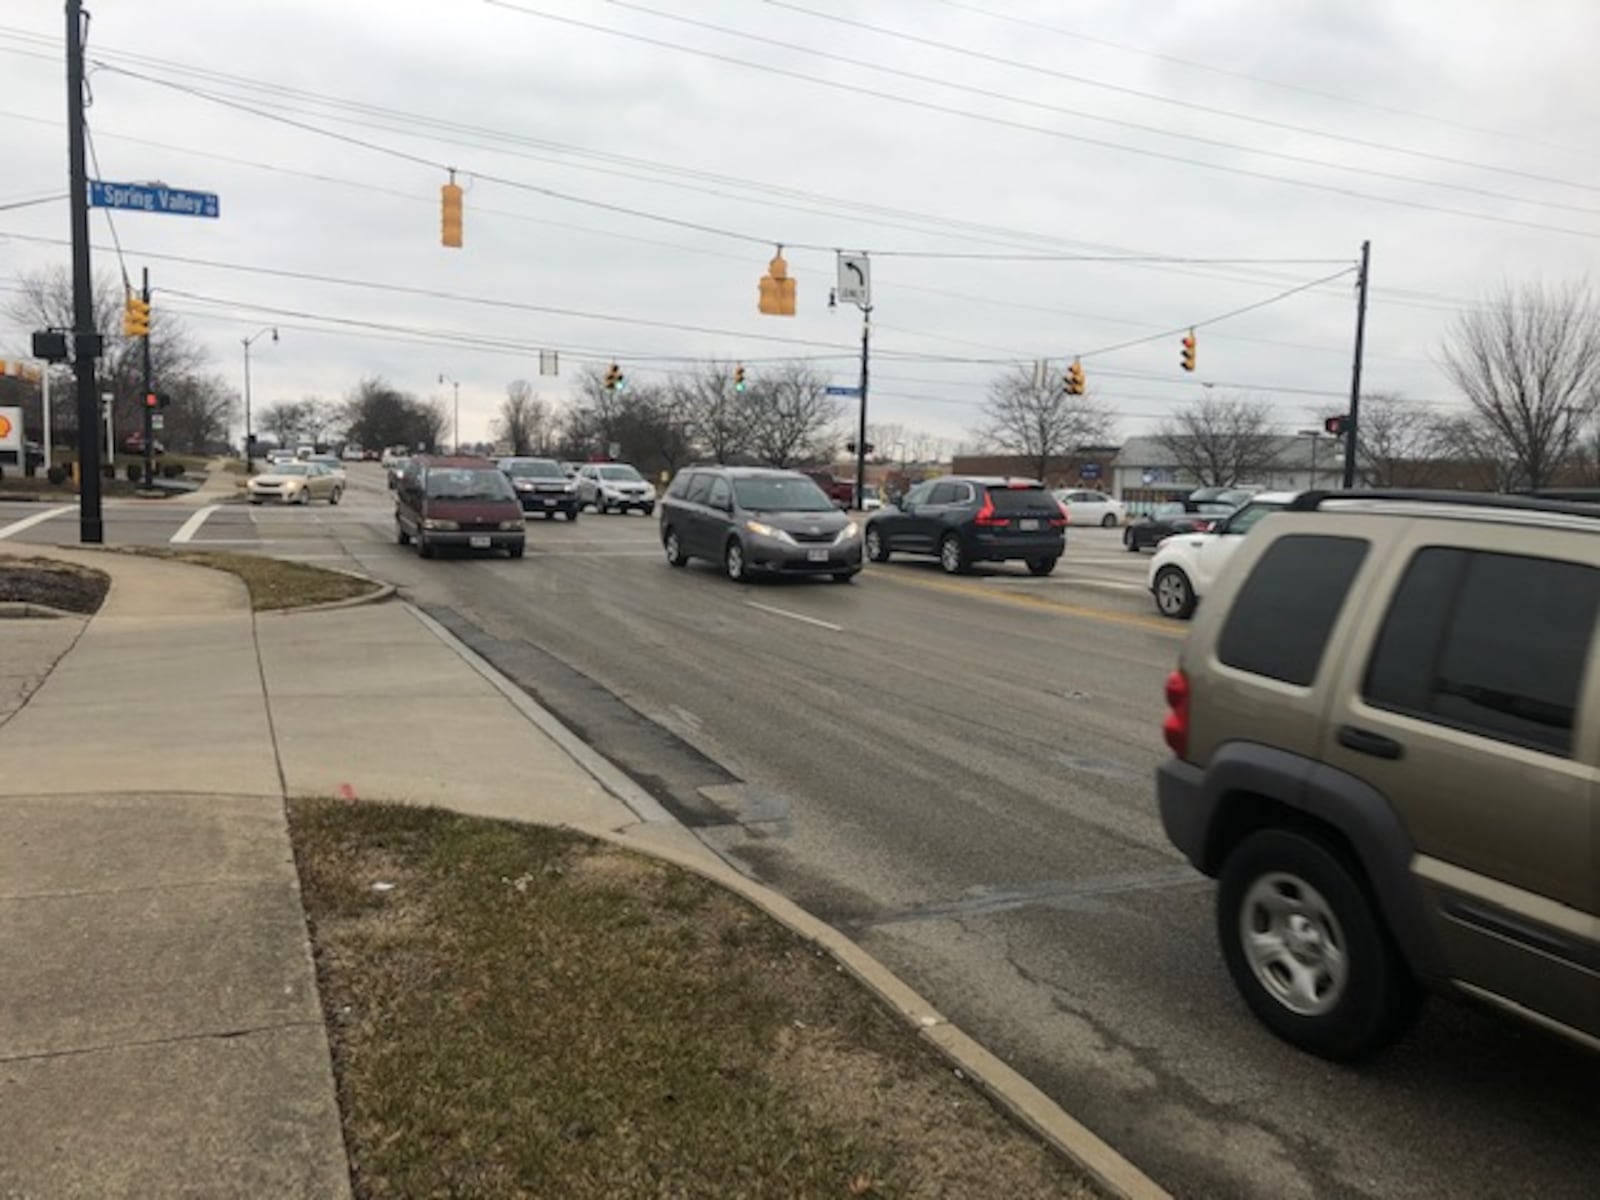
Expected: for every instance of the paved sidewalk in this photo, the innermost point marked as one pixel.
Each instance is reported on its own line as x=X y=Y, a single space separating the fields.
x=220 y=484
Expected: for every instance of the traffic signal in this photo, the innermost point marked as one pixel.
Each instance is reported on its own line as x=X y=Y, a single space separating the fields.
x=151 y=400
x=1072 y=382
x=738 y=378
x=1336 y=425
x=136 y=317
x=777 y=289
x=1188 y=352
x=867 y=449
x=615 y=380
x=450 y=196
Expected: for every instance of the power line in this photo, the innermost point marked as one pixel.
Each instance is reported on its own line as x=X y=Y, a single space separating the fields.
x=1156 y=97
x=1258 y=79
x=16 y=204
x=989 y=119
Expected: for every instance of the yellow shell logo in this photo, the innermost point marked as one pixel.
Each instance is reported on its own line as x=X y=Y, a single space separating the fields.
x=5 y=427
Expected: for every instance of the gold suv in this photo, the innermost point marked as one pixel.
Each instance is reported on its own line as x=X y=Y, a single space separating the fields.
x=1386 y=736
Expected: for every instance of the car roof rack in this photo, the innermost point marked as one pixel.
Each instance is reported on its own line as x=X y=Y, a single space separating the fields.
x=1544 y=501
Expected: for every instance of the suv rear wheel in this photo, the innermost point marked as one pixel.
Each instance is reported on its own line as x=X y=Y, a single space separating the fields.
x=1174 y=594
x=1306 y=949
x=1041 y=566
x=951 y=556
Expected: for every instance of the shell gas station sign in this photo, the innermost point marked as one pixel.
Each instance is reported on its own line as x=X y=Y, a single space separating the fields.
x=11 y=429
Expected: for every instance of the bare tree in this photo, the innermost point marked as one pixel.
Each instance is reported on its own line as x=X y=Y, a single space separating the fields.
x=791 y=415
x=285 y=421
x=197 y=419
x=319 y=418
x=525 y=419
x=1402 y=444
x=1221 y=440
x=716 y=417
x=1528 y=361
x=1027 y=414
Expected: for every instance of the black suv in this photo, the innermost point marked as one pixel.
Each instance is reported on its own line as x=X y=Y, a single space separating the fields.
x=968 y=519
x=755 y=520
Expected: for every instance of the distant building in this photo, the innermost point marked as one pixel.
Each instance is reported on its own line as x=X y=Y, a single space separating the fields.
x=1146 y=472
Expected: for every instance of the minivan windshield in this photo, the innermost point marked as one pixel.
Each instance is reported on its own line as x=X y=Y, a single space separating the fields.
x=619 y=472
x=534 y=468
x=781 y=493
x=468 y=483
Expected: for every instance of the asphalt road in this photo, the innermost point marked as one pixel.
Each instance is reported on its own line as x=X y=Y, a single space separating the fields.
x=958 y=772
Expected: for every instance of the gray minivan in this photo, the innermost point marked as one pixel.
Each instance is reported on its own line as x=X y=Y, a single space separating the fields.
x=755 y=520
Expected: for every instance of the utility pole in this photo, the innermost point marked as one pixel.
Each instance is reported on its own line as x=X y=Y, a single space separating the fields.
x=1353 y=425
x=456 y=384
x=149 y=386
x=85 y=337
x=861 y=432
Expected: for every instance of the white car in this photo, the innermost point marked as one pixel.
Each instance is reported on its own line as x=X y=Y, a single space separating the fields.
x=615 y=487
x=352 y=454
x=294 y=483
x=1091 y=508
x=1187 y=564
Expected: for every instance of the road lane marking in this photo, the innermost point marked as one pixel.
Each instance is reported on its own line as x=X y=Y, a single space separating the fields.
x=39 y=518
x=1175 y=629
x=192 y=526
x=794 y=616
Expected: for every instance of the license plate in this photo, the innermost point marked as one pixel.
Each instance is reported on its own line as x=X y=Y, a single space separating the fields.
x=549 y=503
x=1027 y=523
x=817 y=555
x=481 y=543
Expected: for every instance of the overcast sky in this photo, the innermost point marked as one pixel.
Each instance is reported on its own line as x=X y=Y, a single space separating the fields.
x=1045 y=163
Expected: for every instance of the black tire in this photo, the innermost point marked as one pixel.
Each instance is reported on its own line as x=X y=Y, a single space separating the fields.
x=517 y=549
x=845 y=576
x=877 y=545
x=1109 y=521
x=674 y=548
x=1174 y=594
x=424 y=547
x=953 y=555
x=733 y=563
x=1041 y=566
x=1131 y=542
x=573 y=515
x=1368 y=996
x=400 y=535
x=649 y=510
x=333 y=497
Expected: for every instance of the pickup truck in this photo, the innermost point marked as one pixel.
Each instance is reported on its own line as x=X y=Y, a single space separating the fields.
x=841 y=491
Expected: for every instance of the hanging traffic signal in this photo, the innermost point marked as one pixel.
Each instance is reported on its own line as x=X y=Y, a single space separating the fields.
x=1072 y=381
x=450 y=198
x=777 y=289
x=615 y=381
x=1336 y=426
x=1188 y=352
x=738 y=378
x=135 y=317
x=151 y=400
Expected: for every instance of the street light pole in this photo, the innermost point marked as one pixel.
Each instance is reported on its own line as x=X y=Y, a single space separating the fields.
x=456 y=384
x=249 y=464
x=86 y=343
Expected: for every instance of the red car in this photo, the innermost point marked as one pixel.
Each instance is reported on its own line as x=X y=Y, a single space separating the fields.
x=841 y=491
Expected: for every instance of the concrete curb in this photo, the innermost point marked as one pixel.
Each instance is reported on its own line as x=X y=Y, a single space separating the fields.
x=27 y=608
x=1109 y=1169
x=383 y=592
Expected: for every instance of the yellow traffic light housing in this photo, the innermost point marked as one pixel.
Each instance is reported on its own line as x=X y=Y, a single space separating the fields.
x=451 y=202
x=1188 y=352
x=738 y=378
x=777 y=289
x=614 y=378
x=1072 y=382
x=135 y=317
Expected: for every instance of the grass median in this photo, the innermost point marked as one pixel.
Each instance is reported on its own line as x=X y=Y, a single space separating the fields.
x=521 y=1011
x=274 y=583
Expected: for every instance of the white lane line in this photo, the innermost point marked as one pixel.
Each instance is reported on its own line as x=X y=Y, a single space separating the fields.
x=38 y=518
x=794 y=616
x=192 y=526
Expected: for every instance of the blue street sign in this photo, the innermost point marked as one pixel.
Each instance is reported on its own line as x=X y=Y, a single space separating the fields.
x=152 y=197
x=843 y=391
x=1089 y=471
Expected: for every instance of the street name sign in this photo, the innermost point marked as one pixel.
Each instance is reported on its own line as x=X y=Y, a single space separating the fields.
x=842 y=391
x=152 y=197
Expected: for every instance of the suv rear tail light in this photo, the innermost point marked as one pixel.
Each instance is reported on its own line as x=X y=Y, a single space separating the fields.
x=988 y=517
x=1063 y=520
x=1175 y=729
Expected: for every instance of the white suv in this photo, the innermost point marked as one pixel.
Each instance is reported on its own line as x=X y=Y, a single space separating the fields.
x=615 y=487
x=1186 y=564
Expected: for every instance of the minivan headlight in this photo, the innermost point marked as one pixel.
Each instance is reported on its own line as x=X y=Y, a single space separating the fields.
x=507 y=526
x=439 y=526
x=848 y=532
x=762 y=529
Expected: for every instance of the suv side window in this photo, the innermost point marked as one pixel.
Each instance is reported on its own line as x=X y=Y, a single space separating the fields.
x=1245 y=519
x=680 y=485
x=943 y=493
x=699 y=488
x=1280 y=620
x=721 y=494
x=1495 y=644
x=919 y=494
x=965 y=494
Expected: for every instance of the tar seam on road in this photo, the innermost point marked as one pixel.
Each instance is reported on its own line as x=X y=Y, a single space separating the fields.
x=794 y=616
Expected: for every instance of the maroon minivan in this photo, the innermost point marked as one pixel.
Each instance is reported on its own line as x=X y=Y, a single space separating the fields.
x=457 y=501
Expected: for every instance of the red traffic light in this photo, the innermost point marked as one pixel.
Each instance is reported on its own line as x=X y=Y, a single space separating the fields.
x=151 y=400
x=1336 y=425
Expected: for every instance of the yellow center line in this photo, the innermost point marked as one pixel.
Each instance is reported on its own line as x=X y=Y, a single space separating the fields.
x=1154 y=624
